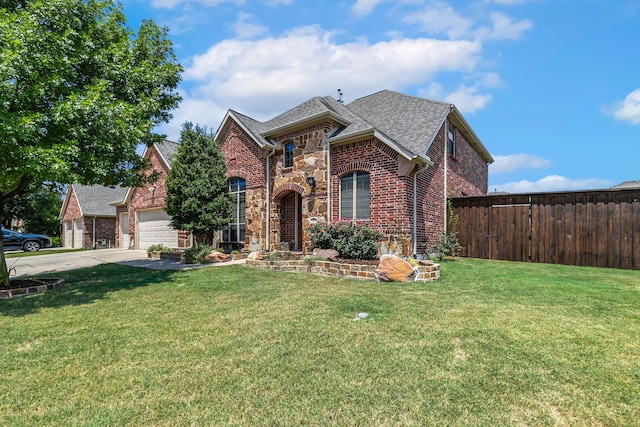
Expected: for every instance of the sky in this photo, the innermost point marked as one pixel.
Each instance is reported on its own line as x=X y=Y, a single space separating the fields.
x=551 y=87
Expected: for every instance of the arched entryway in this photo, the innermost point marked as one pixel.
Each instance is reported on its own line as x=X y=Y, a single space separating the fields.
x=291 y=221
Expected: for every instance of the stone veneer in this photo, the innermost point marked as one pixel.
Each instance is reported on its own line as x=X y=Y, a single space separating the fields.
x=425 y=273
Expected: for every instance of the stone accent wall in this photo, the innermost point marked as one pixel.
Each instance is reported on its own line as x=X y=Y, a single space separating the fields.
x=425 y=273
x=309 y=161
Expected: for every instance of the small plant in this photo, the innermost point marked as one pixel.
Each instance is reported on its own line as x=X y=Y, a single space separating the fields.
x=448 y=244
x=159 y=247
x=196 y=254
x=352 y=241
x=412 y=262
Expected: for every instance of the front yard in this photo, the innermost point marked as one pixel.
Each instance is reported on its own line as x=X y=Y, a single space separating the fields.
x=490 y=343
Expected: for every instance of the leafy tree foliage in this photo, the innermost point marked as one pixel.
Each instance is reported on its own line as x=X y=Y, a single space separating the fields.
x=79 y=91
x=197 y=196
x=40 y=210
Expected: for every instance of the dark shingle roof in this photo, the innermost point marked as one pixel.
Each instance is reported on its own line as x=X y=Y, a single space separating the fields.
x=94 y=200
x=408 y=123
x=167 y=149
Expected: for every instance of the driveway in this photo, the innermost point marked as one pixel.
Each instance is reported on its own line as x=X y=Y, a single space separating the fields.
x=53 y=263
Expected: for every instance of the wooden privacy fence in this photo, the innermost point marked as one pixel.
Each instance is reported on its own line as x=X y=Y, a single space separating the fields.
x=590 y=228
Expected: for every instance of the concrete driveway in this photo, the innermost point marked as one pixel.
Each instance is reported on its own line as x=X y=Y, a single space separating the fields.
x=53 y=263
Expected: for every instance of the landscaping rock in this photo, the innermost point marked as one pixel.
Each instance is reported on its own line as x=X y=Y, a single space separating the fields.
x=394 y=269
x=330 y=254
x=255 y=256
x=216 y=256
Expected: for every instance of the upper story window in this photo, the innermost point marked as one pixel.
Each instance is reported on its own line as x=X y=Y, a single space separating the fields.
x=354 y=196
x=451 y=141
x=288 y=155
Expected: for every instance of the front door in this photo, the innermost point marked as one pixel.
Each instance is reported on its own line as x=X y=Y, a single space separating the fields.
x=291 y=221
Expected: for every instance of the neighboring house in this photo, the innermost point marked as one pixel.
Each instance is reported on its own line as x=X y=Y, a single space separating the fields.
x=87 y=217
x=388 y=159
x=627 y=185
x=141 y=219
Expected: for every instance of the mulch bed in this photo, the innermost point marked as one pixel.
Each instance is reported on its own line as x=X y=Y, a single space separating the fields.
x=26 y=283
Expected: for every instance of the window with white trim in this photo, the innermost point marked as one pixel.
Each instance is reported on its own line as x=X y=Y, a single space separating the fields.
x=354 y=196
x=235 y=232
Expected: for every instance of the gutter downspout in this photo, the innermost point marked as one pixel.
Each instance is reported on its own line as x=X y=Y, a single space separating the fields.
x=414 y=232
x=445 y=163
x=268 y=215
x=94 y=232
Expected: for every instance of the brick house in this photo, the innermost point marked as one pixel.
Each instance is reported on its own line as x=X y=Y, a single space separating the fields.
x=87 y=217
x=388 y=159
x=141 y=220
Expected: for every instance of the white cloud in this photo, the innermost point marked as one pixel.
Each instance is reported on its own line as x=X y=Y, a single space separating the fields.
x=467 y=99
x=514 y=162
x=503 y=28
x=245 y=28
x=274 y=3
x=441 y=18
x=365 y=7
x=629 y=109
x=204 y=112
x=251 y=74
x=551 y=183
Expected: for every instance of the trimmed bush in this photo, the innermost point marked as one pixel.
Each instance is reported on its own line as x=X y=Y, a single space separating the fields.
x=196 y=254
x=351 y=240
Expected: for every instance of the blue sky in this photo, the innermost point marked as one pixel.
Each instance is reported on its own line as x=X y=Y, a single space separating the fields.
x=551 y=87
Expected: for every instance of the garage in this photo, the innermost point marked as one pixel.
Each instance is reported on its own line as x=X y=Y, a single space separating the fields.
x=77 y=233
x=154 y=228
x=68 y=234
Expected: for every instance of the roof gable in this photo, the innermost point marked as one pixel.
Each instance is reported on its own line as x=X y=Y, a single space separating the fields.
x=95 y=200
x=410 y=121
x=408 y=124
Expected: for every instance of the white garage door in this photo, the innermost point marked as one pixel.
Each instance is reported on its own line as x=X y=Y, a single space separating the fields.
x=77 y=233
x=154 y=228
x=68 y=234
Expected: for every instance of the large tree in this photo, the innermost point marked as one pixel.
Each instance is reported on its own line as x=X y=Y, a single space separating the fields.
x=79 y=91
x=197 y=196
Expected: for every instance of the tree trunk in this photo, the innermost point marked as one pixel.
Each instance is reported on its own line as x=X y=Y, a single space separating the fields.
x=4 y=272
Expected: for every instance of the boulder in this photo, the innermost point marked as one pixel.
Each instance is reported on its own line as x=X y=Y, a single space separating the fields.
x=330 y=254
x=255 y=256
x=394 y=269
x=215 y=256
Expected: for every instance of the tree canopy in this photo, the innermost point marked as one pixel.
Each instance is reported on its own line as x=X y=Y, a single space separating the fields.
x=197 y=196
x=79 y=91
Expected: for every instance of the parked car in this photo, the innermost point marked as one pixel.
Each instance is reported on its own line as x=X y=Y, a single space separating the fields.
x=27 y=242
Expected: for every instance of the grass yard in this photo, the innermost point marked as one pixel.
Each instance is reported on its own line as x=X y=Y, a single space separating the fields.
x=491 y=343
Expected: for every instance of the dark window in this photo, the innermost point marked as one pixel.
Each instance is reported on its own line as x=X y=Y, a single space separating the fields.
x=288 y=155
x=235 y=232
x=451 y=141
x=354 y=196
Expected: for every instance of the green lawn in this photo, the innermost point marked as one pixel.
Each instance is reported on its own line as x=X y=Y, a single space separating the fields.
x=491 y=343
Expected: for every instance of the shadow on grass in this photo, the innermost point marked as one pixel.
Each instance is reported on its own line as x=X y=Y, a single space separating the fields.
x=85 y=286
